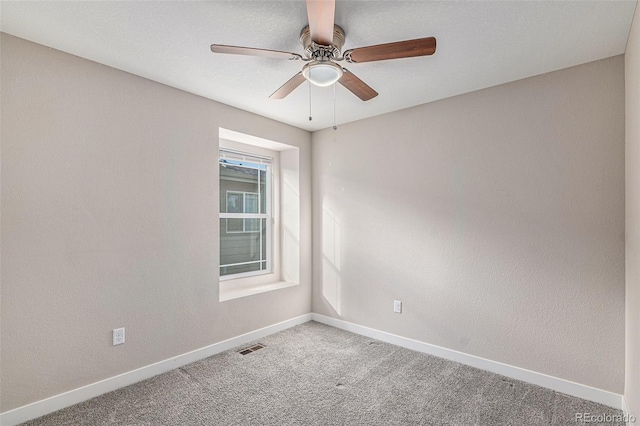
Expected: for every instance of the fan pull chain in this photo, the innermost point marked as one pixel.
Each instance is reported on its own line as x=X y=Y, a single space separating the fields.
x=334 y=107
x=310 y=118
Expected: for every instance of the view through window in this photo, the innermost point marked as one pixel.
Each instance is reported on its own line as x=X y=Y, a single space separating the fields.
x=245 y=214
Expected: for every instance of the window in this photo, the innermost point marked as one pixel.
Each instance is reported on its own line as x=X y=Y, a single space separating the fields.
x=245 y=214
x=261 y=239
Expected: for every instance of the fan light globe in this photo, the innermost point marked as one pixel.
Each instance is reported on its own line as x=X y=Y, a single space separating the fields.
x=322 y=73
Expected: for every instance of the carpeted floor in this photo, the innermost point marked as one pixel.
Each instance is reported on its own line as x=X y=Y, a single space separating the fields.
x=314 y=374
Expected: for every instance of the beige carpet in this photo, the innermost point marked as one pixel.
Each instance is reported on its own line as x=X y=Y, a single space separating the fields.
x=314 y=374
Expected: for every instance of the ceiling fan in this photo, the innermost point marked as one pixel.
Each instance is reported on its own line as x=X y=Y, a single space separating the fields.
x=322 y=41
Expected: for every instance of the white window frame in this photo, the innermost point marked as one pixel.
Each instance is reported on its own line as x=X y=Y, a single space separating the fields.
x=268 y=215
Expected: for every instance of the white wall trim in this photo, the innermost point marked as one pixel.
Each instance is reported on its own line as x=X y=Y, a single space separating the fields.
x=630 y=420
x=66 y=399
x=560 y=385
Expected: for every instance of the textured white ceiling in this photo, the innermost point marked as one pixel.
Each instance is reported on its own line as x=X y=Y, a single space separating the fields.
x=480 y=44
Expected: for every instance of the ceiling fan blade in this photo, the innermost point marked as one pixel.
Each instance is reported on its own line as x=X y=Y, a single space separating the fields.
x=251 y=51
x=400 y=49
x=357 y=86
x=321 y=14
x=288 y=87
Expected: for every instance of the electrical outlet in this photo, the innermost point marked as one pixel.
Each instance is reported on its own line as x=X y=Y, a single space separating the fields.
x=118 y=336
x=397 y=306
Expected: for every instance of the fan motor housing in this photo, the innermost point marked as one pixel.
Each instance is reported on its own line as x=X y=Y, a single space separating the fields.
x=312 y=50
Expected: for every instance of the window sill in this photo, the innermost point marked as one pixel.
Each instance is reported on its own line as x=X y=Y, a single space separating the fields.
x=229 y=292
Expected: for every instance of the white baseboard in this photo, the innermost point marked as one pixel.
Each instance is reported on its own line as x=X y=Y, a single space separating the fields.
x=630 y=420
x=560 y=385
x=66 y=399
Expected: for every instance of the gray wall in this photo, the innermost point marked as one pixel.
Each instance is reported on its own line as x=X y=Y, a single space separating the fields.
x=109 y=219
x=497 y=217
x=632 y=217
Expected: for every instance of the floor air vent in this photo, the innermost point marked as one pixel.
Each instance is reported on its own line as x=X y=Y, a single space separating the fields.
x=251 y=349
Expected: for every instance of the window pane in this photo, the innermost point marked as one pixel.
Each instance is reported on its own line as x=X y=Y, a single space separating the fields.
x=263 y=191
x=235 y=203
x=235 y=225
x=252 y=225
x=239 y=269
x=238 y=178
x=242 y=252
x=250 y=203
x=263 y=234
